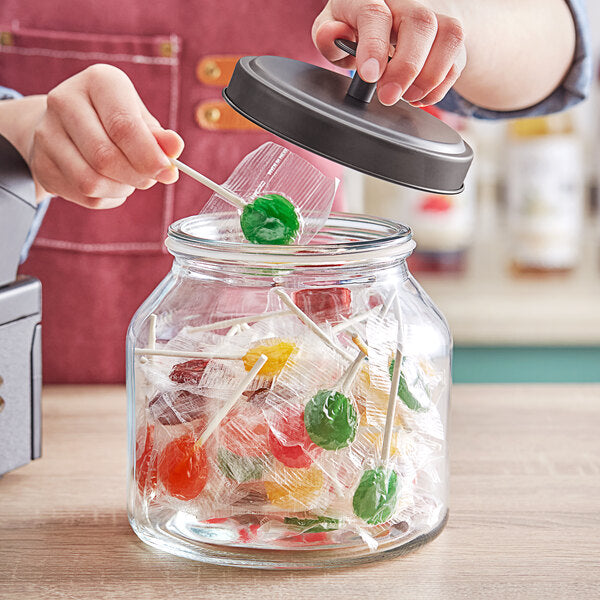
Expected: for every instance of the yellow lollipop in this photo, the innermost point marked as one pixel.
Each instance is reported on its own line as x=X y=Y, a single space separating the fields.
x=294 y=489
x=277 y=353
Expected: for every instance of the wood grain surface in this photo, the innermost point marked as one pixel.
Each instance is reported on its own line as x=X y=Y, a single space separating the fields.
x=524 y=514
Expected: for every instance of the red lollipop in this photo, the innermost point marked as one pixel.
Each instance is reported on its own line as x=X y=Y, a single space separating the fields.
x=145 y=475
x=324 y=304
x=289 y=441
x=244 y=431
x=189 y=372
x=183 y=468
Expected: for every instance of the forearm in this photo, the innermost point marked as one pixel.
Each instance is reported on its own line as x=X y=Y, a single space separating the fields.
x=18 y=119
x=518 y=51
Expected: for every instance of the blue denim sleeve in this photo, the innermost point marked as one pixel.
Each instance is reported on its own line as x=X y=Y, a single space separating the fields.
x=573 y=89
x=8 y=94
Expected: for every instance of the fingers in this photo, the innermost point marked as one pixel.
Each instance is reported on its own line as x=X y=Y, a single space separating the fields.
x=374 y=24
x=117 y=105
x=62 y=170
x=368 y=20
x=446 y=60
x=429 y=56
x=416 y=33
x=81 y=124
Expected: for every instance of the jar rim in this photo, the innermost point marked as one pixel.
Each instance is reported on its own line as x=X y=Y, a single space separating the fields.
x=365 y=238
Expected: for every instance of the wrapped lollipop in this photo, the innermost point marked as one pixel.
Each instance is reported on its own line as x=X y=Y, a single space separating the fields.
x=183 y=465
x=269 y=217
x=376 y=495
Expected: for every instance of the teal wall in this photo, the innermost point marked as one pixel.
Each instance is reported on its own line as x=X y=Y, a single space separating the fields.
x=523 y=364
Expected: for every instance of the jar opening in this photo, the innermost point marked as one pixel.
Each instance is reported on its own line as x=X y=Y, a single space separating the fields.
x=345 y=237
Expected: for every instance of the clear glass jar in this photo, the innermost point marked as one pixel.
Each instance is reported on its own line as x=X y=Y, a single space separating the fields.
x=277 y=468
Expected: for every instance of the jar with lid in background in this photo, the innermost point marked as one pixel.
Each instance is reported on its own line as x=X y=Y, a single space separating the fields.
x=259 y=385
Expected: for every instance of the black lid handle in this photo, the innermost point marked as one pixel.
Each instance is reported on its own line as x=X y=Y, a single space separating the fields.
x=359 y=89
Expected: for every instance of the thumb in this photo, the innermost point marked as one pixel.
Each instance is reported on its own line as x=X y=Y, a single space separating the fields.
x=170 y=142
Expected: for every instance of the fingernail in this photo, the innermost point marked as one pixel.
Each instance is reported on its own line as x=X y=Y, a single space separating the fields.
x=413 y=93
x=369 y=72
x=170 y=175
x=390 y=93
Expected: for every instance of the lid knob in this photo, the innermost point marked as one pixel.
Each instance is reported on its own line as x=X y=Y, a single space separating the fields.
x=359 y=88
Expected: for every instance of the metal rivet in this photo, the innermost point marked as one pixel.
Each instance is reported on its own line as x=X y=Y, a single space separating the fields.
x=211 y=70
x=2 y=404
x=166 y=49
x=6 y=38
x=212 y=115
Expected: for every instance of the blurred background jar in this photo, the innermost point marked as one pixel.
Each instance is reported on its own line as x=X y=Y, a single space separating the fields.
x=442 y=225
x=545 y=193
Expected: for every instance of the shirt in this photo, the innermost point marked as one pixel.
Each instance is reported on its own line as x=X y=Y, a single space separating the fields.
x=572 y=90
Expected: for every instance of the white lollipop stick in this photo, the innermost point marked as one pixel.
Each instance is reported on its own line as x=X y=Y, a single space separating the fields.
x=223 y=412
x=235 y=329
x=237 y=321
x=152 y=332
x=310 y=323
x=348 y=378
x=346 y=323
x=391 y=409
x=226 y=194
x=185 y=354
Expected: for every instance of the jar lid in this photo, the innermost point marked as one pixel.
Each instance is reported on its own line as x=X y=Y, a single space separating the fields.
x=332 y=115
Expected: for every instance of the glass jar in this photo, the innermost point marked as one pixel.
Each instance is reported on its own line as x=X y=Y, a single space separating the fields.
x=281 y=464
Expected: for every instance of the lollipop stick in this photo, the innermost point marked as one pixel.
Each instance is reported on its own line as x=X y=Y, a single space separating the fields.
x=185 y=354
x=351 y=373
x=223 y=412
x=237 y=321
x=152 y=332
x=226 y=194
x=391 y=409
x=310 y=323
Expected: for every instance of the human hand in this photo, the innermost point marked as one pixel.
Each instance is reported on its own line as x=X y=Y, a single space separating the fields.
x=429 y=53
x=91 y=140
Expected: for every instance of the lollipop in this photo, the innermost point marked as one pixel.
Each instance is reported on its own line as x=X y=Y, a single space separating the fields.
x=145 y=473
x=277 y=354
x=294 y=489
x=269 y=219
x=324 y=304
x=189 y=372
x=289 y=441
x=183 y=468
x=239 y=468
x=330 y=417
x=404 y=392
x=376 y=495
x=183 y=465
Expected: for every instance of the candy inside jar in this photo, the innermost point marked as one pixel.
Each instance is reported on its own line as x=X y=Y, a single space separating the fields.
x=260 y=381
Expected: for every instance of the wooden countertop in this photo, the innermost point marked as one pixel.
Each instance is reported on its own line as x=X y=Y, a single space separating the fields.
x=524 y=512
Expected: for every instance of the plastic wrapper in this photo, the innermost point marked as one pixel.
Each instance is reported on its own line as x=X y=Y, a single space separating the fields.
x=260 y=477
x=273 y=169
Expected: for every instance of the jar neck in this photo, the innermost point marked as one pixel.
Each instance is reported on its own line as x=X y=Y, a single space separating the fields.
x=267 y=275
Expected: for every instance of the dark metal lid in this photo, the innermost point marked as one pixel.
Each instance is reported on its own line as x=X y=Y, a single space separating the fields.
x=331 y=115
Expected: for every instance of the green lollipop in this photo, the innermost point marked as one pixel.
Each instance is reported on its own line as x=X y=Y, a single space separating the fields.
x=405 y=394
x=269 y=219
x=330 y=417
x=376 y=496
x=331 y=420
x=316 y=524
x=239 y=468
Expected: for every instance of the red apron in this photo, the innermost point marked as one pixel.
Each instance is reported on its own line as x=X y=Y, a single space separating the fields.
x=97 y=267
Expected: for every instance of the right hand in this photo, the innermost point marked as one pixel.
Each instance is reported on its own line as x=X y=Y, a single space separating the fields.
x=94 y=142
